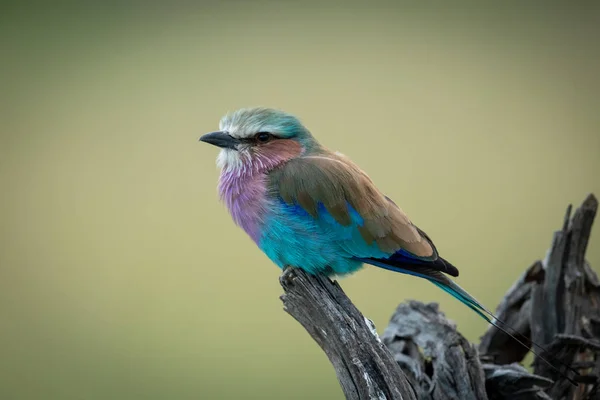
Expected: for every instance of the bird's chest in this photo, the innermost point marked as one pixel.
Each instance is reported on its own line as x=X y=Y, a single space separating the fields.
x=245 y=198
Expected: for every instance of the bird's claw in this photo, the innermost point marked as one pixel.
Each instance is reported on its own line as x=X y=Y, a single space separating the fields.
x=288 y=276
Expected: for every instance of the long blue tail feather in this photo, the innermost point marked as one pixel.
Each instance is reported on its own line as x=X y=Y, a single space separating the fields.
x=464 y=298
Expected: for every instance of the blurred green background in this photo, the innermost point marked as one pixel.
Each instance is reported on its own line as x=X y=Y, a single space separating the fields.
x=121 y=275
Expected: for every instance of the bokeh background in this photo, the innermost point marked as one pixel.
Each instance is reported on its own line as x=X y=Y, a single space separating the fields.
x=121 y=275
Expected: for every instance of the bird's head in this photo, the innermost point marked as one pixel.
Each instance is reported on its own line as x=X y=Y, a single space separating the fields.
x=259 y=139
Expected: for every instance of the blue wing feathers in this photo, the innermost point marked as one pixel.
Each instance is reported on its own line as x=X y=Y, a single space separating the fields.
x=311 y=241
x=402 y=257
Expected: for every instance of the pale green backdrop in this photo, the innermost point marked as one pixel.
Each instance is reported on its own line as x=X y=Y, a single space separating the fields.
x=122 y=277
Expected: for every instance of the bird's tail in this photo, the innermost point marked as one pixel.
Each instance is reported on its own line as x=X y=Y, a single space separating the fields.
x=452 y=288
x=464 y=297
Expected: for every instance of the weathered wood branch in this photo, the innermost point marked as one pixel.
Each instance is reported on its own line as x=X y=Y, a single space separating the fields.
x=364 y=367
x=554 y=299
x=555 y=303
x=455 y=370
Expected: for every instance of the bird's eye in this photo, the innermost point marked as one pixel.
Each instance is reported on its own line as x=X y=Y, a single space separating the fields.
x=263 y=136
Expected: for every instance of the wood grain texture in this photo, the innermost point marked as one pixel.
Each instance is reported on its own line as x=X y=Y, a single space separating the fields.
x=456 y=370
x=364 y=367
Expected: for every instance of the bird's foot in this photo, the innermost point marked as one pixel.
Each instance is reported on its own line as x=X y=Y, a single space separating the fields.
x=288 y=276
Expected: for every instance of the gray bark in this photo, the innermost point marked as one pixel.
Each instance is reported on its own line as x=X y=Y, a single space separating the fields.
x=456 y=372
x=364 y=367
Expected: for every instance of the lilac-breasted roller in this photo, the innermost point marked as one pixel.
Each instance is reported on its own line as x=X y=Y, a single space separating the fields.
x=308 y=207
x=311 y=208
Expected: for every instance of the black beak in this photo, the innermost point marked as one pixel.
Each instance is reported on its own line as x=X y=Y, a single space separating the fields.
x=220 y=139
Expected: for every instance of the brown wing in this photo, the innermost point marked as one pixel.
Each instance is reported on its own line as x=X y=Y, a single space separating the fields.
x=335 y=181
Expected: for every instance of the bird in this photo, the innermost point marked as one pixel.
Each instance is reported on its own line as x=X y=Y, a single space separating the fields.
x=312 y=208
x=308 y=207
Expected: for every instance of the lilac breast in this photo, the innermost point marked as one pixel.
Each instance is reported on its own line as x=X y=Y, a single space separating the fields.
x=245 y=197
